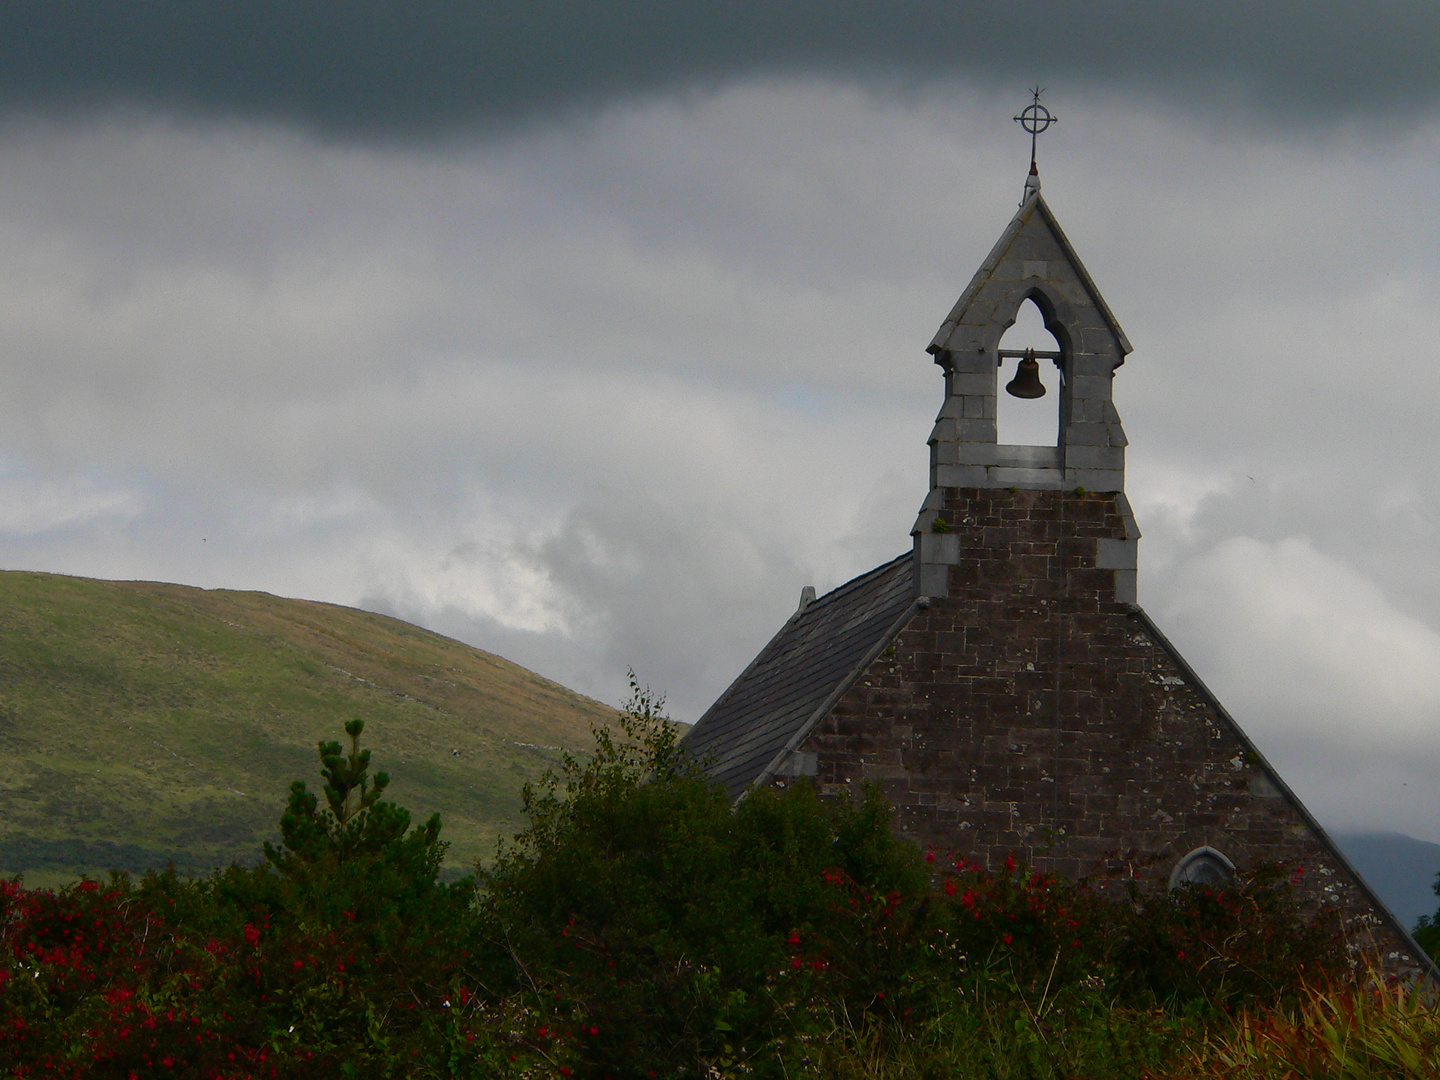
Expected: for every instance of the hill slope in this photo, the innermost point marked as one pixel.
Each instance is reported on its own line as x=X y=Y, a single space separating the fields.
x=142 y=722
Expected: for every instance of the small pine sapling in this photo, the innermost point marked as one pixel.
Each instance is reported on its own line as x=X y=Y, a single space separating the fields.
x=356 y=820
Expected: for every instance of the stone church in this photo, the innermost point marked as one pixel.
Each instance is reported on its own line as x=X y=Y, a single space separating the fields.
x=999 y=680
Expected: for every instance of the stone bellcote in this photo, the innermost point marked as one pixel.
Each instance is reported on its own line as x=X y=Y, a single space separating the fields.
x=1033 y=260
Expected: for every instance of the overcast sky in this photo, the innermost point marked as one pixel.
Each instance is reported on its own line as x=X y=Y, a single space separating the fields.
x=590 y=333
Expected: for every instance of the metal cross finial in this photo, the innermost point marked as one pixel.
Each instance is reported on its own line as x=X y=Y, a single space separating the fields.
x=1035 y=118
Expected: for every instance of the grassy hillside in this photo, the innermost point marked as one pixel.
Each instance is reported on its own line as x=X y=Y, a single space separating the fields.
x=142 y=722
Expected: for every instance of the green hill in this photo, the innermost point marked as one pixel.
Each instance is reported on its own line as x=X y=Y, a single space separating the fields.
x=142 y=723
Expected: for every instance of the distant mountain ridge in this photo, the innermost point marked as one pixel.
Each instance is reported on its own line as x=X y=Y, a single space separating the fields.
x=142 y=723
x=1400 y=868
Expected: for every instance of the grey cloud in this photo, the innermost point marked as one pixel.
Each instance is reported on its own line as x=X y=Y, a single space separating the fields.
x=611 y=394
x=416 y=68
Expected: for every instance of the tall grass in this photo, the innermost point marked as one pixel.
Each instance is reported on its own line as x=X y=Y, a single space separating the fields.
x=1373 y=1032
x=1339 y=1033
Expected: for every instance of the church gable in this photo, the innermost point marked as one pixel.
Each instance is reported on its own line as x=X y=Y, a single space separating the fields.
x=1025 y=714
x=1032 y=253
x=1000 y=683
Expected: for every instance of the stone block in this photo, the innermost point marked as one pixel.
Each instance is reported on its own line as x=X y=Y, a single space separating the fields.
x=975 y=430
x=939 y=547
x=979 y=312
x=1127 y=516
x=1087 y=434
x=1025 y=478
x=1094 y=457
x=981 y=382
x=1116 y=554
x=1100 y=339
x=1095 y=479
x=1086 y=362
x=934 y=580
x=1028 y=245
x=1027 y=457
x=976 y=453
x=978 y=407
x=959 y=476
x=964 y=340
x=1089 y=386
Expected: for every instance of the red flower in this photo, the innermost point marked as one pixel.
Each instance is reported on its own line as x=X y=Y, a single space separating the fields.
x=793 y=940
x=252 y=935
x=949 y=888
x=930 y=855
x=1007 y=939
x=1010 y=863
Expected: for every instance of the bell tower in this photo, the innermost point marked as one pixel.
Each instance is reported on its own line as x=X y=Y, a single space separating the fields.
x=1033 y=260
x=999 y=682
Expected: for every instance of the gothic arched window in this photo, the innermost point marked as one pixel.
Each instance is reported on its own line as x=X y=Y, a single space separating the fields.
x=1203 y=866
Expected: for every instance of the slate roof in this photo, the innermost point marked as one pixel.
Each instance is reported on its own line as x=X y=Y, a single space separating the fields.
x=796 y=678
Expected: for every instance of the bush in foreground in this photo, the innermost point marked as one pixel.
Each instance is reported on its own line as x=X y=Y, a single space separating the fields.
x=640 y=927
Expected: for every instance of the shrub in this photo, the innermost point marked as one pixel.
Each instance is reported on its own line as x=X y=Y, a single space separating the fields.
x=641 y=926
x=637 y=892
x=339 y=954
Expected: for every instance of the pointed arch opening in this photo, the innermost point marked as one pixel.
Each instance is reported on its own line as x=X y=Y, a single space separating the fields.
x=1033 y=421
x=1204 y=867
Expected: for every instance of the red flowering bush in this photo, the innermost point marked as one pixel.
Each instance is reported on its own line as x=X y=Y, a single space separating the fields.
x=1227 y=947
x=340 y=953
x=640 y=926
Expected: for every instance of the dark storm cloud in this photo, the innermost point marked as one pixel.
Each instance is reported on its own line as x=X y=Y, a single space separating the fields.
x=417 y=67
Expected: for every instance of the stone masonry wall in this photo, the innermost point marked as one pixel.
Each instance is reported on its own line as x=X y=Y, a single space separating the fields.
x=1030 y=712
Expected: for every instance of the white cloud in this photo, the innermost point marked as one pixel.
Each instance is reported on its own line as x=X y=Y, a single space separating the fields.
x=31 y=505
x=1318 y=666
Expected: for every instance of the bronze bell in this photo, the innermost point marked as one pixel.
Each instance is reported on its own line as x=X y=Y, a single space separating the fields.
x=1026 y=383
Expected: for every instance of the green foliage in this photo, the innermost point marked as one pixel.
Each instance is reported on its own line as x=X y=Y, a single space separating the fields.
x=642 y=926
x=637 y=892
x=356 y=821
x=1427 y=929
x=1228 y=947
